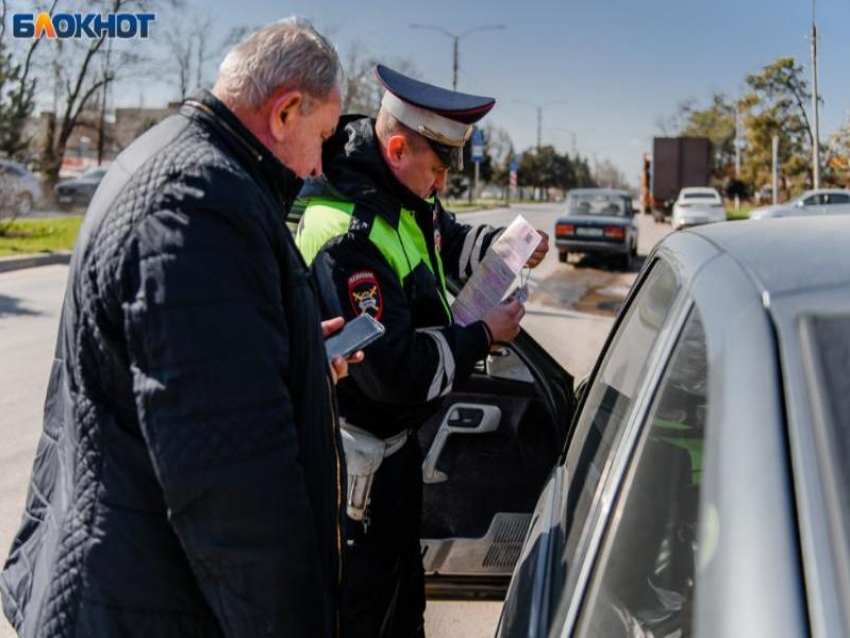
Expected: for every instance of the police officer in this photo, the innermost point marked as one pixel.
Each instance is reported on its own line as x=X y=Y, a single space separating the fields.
x=381 y=243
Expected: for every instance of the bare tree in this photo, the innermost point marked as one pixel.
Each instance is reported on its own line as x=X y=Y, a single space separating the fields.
x=83 y=70
x=607 y=175
x=188 y=54
x=17 y=93
x=362 y=91
x=180 y=54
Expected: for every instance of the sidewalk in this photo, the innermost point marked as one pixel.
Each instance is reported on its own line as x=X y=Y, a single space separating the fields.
x=17 y=262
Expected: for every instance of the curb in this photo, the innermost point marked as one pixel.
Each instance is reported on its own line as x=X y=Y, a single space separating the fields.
x=8 y=264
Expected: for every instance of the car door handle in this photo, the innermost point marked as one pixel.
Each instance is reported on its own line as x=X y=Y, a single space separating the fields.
x=460 y=418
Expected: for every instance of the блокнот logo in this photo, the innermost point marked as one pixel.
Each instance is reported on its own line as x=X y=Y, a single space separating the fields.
x=81 y=25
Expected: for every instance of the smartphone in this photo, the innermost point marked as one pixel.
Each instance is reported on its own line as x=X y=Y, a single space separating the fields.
x=354 y=336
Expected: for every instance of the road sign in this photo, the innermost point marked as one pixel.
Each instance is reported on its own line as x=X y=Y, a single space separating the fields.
x=477 y=145
x=515 y=162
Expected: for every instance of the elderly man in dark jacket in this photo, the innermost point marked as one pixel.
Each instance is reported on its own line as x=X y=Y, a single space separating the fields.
x=188 y=479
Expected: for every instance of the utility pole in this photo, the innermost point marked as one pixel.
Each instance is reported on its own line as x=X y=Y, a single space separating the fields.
x=775 y=170
x=539 y=126
x=456 y=37
x=737 y=151
x=454 y=64
x=816 y=132
x=738 y=140
x=540 y=108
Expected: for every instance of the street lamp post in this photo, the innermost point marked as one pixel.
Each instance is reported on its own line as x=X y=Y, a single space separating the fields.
x=456 y=37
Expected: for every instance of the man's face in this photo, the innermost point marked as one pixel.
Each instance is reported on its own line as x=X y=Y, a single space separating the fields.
x=420 y=170
x=300 y=149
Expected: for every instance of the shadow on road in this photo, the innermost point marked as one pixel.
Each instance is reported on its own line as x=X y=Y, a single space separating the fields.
x=12 y=306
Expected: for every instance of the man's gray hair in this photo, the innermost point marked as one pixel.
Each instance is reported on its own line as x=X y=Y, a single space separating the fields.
x=289 y=54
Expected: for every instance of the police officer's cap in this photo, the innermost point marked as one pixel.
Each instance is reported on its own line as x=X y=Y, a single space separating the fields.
x=443 y=117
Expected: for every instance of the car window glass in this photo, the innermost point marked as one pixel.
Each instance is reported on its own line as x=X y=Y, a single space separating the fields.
x=838 y=198
x=644 y=581
x=812 y=200
x=609 y=403
x=830 y=340
x=593 y=204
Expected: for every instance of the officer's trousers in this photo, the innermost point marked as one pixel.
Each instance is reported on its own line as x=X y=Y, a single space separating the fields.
x=384 y=593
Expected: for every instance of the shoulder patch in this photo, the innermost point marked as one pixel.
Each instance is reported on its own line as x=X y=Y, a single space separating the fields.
x=358 y=225
x=365 y=294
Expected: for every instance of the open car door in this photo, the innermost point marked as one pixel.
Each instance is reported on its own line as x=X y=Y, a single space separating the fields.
x=487 y=454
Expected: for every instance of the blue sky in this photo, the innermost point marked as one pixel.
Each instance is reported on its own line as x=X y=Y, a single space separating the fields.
x=618 y=65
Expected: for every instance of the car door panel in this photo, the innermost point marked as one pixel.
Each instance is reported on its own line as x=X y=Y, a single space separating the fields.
x=487 y=453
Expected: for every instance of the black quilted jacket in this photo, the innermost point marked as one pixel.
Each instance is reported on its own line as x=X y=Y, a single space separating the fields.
x=188 y=479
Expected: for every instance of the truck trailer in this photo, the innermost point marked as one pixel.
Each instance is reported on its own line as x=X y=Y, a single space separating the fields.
x=676 y=163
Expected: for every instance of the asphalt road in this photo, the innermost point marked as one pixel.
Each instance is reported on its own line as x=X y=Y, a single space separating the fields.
x=570 y=312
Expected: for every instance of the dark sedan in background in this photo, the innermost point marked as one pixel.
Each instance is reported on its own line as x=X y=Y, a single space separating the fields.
x=77 y=192
x=599 y=221
x=702 y=490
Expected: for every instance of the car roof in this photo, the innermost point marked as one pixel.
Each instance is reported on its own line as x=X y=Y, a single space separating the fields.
x=599 y=191
x=699 y=189
x=786 y=255
x=825 y=191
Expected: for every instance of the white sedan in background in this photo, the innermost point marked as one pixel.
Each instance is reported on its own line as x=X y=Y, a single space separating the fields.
x=832 y=201
x=698 y=205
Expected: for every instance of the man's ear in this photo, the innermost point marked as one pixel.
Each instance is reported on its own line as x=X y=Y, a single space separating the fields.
x=396 y=148
x=285 y=109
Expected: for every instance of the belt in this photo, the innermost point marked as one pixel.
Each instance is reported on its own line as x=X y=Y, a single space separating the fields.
x=364 y=453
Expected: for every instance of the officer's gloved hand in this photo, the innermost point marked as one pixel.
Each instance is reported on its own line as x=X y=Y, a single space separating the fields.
x=503 y=321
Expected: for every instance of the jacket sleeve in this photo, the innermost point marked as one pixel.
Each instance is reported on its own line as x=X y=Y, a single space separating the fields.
x=464 y=246
x=407 y=365
x=207 y=343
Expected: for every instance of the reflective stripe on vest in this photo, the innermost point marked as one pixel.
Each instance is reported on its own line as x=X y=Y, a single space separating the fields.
x=403 y=249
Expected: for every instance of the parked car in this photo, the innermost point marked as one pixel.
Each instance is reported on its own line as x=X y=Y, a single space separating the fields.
x=20 y=190
x=820 y=202
x=698 y=205
x=598 y=220
x=78 y=191
x=702 y=486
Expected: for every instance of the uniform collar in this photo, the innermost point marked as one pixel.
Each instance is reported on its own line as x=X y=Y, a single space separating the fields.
x=257 y=159
x=356 y=169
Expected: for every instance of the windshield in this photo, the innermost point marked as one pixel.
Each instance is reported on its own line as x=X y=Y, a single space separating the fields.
x=710 y=196
x=93 y=173
x=597 y=205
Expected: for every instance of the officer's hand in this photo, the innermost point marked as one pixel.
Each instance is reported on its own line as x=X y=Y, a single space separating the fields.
x=539 y=252
x=339 y=365
x=503 y=321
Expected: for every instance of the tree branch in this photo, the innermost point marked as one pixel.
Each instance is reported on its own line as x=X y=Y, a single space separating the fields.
x=67 y=122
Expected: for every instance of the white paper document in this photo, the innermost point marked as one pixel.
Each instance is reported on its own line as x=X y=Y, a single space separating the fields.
x=495 y=275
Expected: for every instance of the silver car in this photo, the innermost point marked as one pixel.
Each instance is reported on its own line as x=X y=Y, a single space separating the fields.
x=20 y=190
x=703 y=486
x=820 y=202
